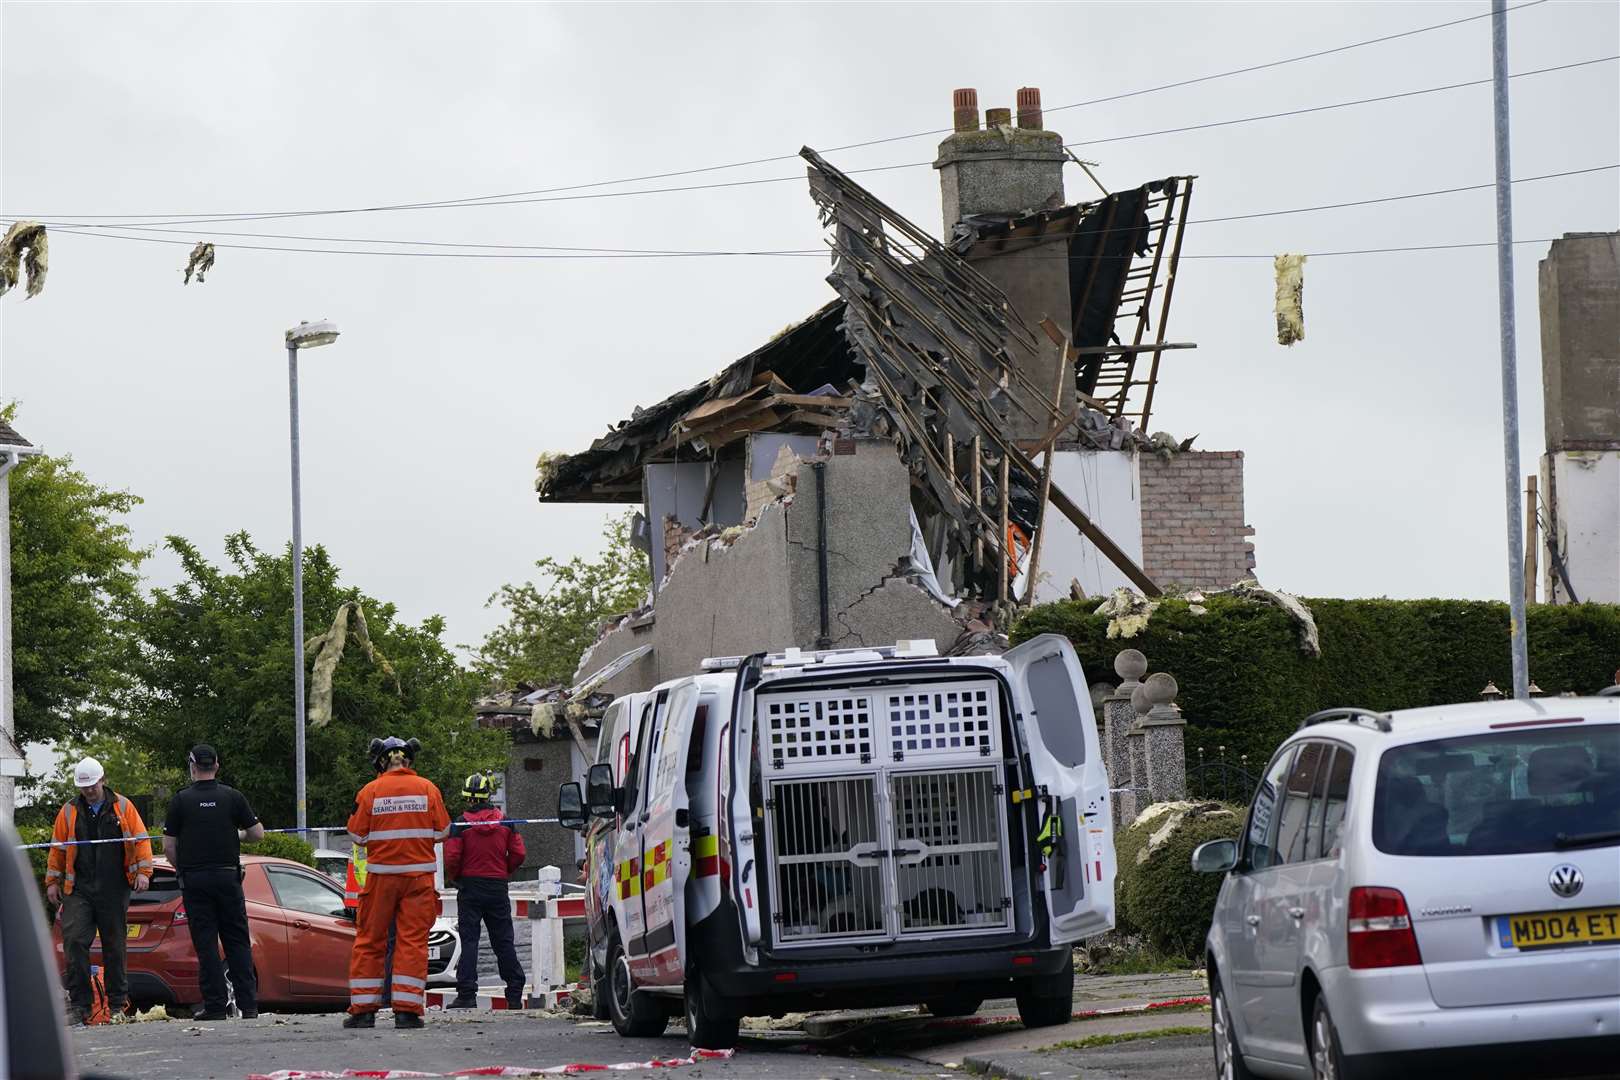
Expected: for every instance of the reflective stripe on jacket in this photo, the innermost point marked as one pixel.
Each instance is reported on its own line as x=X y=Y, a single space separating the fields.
x=137 y=848
x=399 y=817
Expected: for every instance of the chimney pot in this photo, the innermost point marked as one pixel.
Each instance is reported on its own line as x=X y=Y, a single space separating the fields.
x=965 y=109
x=1029 y=107
x=997 y=118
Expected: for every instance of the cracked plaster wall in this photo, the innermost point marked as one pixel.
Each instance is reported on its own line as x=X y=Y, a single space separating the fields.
x=761 y=592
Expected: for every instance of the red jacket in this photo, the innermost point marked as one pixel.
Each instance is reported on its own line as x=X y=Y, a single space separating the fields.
x=482 y=851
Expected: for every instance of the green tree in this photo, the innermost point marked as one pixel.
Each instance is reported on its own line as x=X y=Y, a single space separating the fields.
x=549 y=626
x=75 y=580
x=216 y=667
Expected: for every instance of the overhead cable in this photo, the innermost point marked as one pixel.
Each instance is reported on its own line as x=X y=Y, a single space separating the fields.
x=74 y=227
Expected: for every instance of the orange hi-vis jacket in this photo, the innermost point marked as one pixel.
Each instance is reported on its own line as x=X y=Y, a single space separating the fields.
x=398 y=818
x=137 y=848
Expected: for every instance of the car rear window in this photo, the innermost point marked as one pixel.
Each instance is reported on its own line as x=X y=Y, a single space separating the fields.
x=1503 y=793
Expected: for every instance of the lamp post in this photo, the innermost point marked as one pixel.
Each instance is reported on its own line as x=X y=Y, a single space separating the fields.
x=306 y=335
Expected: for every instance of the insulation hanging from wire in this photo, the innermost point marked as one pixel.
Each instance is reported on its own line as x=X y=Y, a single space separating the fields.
x=1290 y=271
x=200 y=262
x=328 y=649
x=24 y=251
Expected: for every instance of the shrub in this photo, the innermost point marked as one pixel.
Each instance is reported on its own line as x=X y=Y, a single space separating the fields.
x=1157 y=894
x=283 y=846
x=1245 y=683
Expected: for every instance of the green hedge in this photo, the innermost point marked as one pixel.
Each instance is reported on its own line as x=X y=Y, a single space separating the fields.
x=283 y=846
x=1160 y=896
x=1246 y=684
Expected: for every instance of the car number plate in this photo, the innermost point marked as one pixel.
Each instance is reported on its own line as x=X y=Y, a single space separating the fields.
x=133 y=930
x=1549 y=929
x=433 y=952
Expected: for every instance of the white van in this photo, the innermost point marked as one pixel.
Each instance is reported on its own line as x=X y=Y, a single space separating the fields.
x=847 y=828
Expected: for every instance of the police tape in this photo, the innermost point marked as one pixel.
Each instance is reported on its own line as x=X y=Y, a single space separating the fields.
x=344 y=829
x=572 y=1069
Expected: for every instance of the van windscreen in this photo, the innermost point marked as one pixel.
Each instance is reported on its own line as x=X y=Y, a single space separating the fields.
x=1508 y=792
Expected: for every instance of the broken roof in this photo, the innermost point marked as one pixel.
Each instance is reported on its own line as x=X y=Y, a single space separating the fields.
x=1116 y=248
x=802 y=358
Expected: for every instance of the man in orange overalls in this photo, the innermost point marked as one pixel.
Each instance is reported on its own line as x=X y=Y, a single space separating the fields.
x=398 y=818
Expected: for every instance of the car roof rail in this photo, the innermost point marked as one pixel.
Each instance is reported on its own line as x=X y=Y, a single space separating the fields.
x=1351 y=713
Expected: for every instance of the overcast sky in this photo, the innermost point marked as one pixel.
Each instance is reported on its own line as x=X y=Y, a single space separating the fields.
x=1374 y=453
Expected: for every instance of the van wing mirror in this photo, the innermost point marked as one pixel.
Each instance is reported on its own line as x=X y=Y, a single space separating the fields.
x=600 y=801
x=1215 y=857
x=570 y=806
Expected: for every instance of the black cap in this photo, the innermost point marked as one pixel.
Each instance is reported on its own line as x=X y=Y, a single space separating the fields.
x=203 y=756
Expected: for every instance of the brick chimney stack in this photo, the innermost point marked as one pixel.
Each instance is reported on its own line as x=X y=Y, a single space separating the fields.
x=1000 y=169
x=965 y=109
x=1029 y=108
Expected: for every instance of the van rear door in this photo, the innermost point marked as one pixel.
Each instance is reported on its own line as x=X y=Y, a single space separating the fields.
x=1058 y=732
x=665 y=854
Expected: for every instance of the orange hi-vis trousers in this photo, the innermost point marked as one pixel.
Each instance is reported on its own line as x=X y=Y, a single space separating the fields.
x=409 y=903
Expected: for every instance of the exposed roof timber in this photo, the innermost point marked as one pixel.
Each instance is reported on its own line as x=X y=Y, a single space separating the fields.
x=924 y=370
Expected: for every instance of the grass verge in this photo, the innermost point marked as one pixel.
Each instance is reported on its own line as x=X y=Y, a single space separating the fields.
x=1091 y=1042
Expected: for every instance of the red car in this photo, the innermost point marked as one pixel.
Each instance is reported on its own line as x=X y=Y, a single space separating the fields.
x=301 y=934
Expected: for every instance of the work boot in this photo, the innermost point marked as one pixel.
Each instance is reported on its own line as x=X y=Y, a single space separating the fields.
x=360 y=1020
x=515 y=1001
x=249 y=1013
x=75 y=1016
x=408 y=1020
x=464 y=1001
x=203 y=1012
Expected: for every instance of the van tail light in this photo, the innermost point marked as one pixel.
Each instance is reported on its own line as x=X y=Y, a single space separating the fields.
x=179 y=913
x=1380 y=930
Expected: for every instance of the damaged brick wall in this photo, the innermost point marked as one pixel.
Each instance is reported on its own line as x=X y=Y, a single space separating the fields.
x=1193 y=532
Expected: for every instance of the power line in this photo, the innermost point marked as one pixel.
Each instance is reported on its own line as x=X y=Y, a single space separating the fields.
x=798 y=254
x=68 y=226
x=506 y=198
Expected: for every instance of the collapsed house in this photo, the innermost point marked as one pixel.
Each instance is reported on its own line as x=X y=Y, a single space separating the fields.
x=963 y=428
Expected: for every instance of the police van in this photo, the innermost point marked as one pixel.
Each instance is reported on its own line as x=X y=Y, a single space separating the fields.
x=845 y=828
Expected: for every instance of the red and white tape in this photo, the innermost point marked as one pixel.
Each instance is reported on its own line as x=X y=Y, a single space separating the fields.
x=572 y=1069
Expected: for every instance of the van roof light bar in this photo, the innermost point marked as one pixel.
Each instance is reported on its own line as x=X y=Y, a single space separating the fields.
x=912 y=649
x=1352 y=714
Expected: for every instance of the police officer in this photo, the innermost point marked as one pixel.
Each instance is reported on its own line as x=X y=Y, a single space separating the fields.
x=202 y=837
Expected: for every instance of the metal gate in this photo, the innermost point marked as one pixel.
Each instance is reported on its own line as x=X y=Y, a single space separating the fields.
x=871 y=852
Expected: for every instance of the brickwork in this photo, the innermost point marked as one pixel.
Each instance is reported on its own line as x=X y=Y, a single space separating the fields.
x=1193 y=532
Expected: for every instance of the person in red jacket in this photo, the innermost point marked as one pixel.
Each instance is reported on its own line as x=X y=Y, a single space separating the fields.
x=482 y=854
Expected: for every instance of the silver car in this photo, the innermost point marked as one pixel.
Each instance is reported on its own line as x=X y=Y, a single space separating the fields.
x=1434 y=890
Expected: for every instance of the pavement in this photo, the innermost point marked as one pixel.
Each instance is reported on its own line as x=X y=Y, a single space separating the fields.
x=1117 y=1038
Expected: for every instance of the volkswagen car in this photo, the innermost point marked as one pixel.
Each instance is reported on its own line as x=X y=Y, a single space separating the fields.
x=1432 y=891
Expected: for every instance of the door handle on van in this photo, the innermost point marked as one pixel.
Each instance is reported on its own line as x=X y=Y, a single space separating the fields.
x=1253 y=920
x=1296 y=913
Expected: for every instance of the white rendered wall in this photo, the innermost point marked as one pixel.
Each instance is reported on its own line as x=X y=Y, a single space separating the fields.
x=1104 y=484
x=1586 y=487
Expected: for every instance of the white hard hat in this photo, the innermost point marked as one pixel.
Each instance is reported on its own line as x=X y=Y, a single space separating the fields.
x=88 y=772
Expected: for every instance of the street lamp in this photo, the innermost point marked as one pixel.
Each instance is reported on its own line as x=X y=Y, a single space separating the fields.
x=306 y=335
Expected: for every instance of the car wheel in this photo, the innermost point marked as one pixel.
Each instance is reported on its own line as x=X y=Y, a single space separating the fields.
x=1047 y=1001
x=1327 y=1056
x=633 y=1014
x=963 y=1005
x=1228 y=1058
x=710 y=1023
